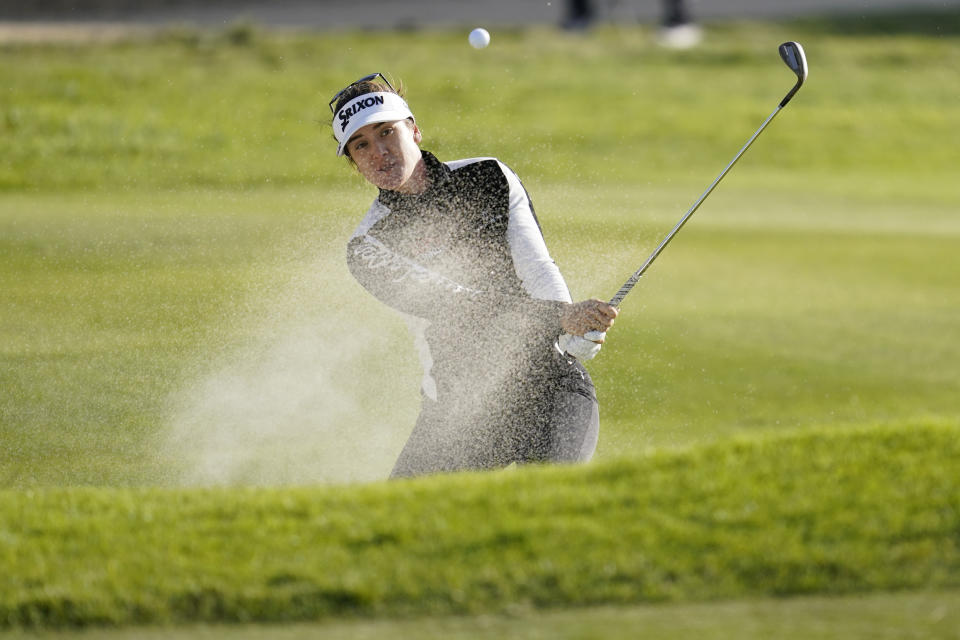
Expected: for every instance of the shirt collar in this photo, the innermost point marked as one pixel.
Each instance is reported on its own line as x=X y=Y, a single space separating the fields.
x=438 y=174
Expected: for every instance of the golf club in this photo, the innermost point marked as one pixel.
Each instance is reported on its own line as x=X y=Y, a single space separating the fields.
x=793 y=56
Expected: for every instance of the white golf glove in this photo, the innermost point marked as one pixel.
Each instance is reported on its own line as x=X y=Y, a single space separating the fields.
x=581 y=347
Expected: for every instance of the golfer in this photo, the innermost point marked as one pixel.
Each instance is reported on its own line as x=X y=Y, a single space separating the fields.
x=457 y=249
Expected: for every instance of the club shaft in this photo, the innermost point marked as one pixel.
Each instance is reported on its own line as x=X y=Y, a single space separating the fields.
x=629 y=284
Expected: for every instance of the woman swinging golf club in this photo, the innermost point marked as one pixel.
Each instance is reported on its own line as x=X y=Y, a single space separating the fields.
x=456 y=247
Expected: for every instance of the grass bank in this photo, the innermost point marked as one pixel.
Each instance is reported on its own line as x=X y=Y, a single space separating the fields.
x=819 y=512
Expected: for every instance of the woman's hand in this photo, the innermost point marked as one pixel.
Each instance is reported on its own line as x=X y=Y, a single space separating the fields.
x=590 y=315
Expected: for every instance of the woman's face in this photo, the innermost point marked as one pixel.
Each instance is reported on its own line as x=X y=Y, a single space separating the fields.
x=387 y=154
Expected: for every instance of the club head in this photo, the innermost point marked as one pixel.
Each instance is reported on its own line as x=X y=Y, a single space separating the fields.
x=792 y=54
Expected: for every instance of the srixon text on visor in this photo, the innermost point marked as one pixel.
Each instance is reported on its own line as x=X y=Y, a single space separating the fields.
x=346 y=114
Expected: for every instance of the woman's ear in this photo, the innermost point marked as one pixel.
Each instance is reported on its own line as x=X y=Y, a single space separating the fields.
x=417 y=136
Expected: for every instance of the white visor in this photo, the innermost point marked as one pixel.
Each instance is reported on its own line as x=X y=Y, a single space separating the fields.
x=367 y=109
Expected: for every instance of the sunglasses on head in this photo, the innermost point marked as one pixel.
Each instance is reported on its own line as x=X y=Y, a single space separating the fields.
x=368 y=78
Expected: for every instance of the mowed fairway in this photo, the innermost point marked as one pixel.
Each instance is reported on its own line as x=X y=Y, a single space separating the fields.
x=175 y=311
x=922 y=615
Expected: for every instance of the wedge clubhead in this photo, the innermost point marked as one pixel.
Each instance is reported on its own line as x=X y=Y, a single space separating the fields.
x=792 y=54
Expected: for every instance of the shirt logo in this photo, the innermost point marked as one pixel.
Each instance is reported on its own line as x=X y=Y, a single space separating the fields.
x=376 y=256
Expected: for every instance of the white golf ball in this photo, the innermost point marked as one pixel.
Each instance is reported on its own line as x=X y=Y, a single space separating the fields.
x=479 y=38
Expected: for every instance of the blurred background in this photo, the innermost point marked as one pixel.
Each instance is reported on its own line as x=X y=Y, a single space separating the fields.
x=174 y=303
x=390 y=14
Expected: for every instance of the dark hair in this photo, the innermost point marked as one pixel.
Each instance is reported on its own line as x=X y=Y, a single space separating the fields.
x=367 y=86
x=360 y=88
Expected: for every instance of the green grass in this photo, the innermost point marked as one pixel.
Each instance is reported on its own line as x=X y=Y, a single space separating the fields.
x=822 y=512
x=196 y=110
x=924 y=615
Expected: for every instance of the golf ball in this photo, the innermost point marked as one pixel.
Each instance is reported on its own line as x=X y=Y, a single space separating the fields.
x=479 y=38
